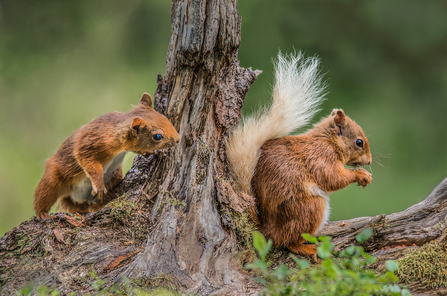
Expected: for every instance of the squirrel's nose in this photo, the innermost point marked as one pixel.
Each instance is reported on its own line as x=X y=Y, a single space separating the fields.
x=177 y=139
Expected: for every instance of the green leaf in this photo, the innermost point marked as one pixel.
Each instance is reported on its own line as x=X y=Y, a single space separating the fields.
x=323 y=253
x=281 y=272
x=125 y=280
x=405 y=292
x=324 y=250
x=261 y=245
x=42 y=291
x=261 y=280
x=394 y=288
x=259 y=241
x=258 y=264
x=325 y=239
x=96 y=286
x=364 y=235
x=266 y=249
x=330 y=269
x=351 y=250
x=309 y=238
x=261 y=265
x=391 y=277
x=370 y=260
x=26 y=290
x=391 y=265
x=301 y=263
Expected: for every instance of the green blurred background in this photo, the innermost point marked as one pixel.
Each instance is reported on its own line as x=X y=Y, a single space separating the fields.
x=63 y=63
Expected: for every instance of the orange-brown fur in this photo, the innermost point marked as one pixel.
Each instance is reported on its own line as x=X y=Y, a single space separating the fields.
x=293 y=171
x=81 y=158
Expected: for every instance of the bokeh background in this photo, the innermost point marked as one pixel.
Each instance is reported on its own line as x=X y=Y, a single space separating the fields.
x=63 y=63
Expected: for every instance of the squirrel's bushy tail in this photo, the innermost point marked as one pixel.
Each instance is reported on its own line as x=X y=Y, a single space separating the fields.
x=297 y=94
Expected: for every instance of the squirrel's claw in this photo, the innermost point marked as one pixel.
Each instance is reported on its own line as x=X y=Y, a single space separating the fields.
x=155 y=152
x=159 y=152
x=43 y=216
x=146 y=154
x=99 y=196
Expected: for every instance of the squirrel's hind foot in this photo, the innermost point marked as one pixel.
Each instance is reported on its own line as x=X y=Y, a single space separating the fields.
x=306 y=250
x=43 y=216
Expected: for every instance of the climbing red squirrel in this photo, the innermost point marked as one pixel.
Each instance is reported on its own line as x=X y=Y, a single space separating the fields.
x=89 y=163
x=291 y=176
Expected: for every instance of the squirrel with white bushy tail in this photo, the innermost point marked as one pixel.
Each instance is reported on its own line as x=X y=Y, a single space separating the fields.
x=291 y=176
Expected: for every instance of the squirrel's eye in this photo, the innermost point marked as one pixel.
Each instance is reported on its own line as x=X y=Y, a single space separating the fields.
x=158 y=137
x=359 y=143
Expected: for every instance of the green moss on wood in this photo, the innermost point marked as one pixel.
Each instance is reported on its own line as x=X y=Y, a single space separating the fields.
x=244 y=228
x=162 y=282
x=121 y=208
x=427 y=265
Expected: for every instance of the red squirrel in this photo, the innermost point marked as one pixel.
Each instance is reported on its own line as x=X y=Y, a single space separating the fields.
x=88 y=164
x=291 y=176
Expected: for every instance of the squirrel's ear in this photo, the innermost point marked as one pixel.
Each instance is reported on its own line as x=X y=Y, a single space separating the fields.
x=137 y=122
x=339 y=121
x=146 y=100
x=340 y=117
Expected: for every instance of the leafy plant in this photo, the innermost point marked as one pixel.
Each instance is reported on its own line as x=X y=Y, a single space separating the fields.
x=343 y=273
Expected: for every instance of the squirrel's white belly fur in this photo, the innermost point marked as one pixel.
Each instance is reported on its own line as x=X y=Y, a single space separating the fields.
x=82 y=192
x=327 y=209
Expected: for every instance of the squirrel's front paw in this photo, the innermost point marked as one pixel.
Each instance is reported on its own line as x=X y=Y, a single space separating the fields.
x=363 y=177
x=98 y=195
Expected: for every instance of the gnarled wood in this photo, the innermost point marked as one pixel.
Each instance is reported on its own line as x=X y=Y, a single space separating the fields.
x=201 y=94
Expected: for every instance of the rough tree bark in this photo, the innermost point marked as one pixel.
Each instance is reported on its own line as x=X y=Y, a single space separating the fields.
x=202 y=93
x=167 y=225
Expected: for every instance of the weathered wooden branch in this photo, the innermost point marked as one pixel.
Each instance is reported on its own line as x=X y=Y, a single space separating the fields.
x=415 y=226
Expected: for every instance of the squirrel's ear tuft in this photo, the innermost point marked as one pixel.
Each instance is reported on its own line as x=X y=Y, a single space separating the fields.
x=340 y=117
x=137 y=122
x=146 y=100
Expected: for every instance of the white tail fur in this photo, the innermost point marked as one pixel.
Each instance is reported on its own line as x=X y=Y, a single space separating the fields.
x=297 y=94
